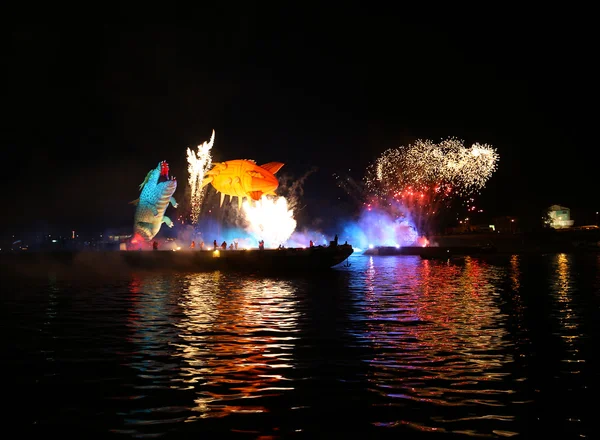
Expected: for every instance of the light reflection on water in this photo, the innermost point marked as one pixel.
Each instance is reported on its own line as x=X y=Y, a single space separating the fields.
x=438 y=340
x=228 y=340
x=567 y=320
x=237 y=344
x=471 y=347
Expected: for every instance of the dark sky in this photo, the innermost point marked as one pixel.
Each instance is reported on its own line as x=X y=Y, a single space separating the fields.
x=90 y=109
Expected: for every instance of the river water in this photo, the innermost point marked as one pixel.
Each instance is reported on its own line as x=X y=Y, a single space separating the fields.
x=389 y=346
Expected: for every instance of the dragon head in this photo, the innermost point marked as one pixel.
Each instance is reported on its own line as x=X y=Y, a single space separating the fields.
x=163 y=174
x=159 y=175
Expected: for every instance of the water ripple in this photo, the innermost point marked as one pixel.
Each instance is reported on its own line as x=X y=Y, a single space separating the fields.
x=469 y=347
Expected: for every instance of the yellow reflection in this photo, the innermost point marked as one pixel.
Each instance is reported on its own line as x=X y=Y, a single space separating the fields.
x=516 y=300
x=563 y=286
x=229 y=339
x=199 y=301
x=515 y=273
x=563 y=274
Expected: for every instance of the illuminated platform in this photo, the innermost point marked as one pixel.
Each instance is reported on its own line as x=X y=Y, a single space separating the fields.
x=430 y=251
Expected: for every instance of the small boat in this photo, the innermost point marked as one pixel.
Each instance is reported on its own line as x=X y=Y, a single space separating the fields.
x=428 y=252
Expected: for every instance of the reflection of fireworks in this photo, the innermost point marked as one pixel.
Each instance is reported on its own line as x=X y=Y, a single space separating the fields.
x=198 y=163
x=270 y=219
x=425 y=174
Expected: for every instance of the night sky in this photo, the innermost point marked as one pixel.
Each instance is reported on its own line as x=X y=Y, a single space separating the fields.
x=90 y=109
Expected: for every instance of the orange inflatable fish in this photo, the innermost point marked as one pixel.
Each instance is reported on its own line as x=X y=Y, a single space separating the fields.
x=243 y=178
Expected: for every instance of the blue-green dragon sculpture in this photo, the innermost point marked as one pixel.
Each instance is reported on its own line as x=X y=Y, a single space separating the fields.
x=156 y=193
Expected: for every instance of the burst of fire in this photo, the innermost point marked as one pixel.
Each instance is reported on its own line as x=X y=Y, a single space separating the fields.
x=422 y=241
x=199 y=163
x=270 y=219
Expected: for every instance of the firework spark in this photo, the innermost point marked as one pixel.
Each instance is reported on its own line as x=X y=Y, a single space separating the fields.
x=424 y=175
x=425 y=165
x=198 y=163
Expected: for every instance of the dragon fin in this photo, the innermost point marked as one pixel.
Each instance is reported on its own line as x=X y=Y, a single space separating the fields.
x=146 y=179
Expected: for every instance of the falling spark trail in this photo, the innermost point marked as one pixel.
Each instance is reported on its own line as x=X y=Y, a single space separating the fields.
x=423 y=166
x=198 y=163
x=426 y=177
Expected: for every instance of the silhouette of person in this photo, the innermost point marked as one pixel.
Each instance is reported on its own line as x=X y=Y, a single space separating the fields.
x=155 y=245
x=215 y=244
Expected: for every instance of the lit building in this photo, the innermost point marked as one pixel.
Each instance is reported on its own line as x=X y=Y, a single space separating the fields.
x=559 y=217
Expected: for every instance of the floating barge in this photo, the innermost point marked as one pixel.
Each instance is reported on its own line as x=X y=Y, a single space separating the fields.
x=431 y=251
x=254 y=260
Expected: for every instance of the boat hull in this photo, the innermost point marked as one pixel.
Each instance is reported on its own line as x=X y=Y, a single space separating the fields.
x=255 y=260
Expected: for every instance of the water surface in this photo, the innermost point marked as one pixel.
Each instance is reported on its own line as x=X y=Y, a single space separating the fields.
x=497 y=347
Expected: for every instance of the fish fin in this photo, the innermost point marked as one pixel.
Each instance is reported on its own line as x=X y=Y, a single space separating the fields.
x=272 y=167
x=255 y=195
x=206 y=181
x=135 y=202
